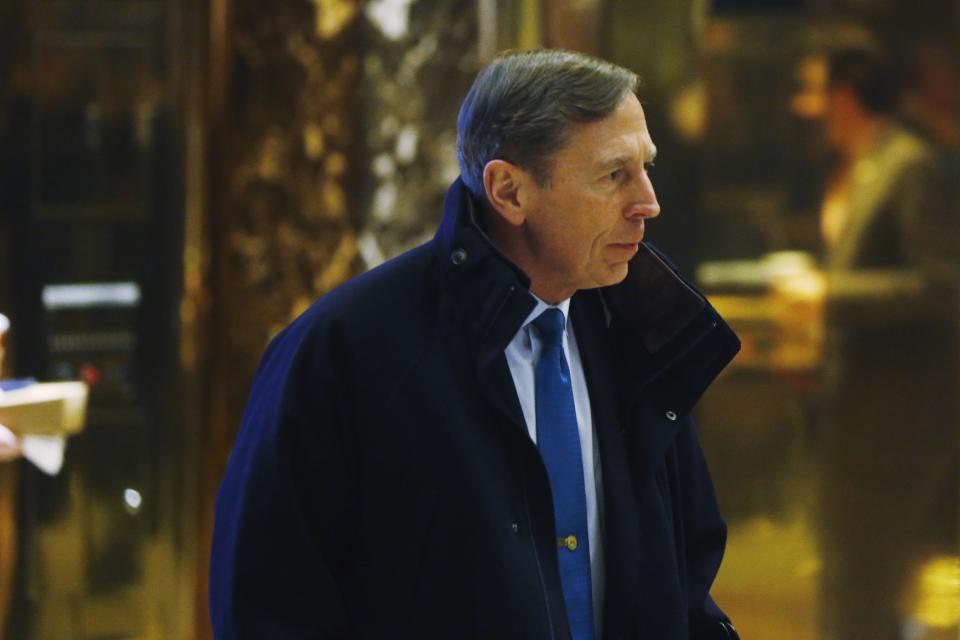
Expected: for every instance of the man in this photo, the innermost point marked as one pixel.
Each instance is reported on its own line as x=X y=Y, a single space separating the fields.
x=889 y=468
x=490 y=436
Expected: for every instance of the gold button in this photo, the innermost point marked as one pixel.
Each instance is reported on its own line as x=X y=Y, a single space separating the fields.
x=570 y=542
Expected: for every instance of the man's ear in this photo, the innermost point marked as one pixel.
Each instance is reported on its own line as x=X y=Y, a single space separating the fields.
x=507 y=189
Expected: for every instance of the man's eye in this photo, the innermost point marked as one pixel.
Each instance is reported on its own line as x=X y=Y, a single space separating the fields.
x=616 y=175
x=648 y=166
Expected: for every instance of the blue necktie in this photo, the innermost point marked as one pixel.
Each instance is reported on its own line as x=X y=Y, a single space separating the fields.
x=559 y=442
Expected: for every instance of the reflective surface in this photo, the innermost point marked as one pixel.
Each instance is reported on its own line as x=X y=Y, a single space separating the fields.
x=835 y=515
x=92 y=208
x=833 y=437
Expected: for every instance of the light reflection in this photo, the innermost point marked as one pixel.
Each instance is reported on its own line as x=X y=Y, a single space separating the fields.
x=937 y=593
x=132 y=500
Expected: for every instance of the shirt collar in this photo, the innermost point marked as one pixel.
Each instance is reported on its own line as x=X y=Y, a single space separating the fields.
x=563 y=305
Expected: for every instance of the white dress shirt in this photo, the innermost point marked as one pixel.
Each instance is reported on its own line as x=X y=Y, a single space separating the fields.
x=522 y=354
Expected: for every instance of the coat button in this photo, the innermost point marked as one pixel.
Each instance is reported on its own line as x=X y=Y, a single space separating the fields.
x=515 y=527
x=671 y=416
x=459 y=256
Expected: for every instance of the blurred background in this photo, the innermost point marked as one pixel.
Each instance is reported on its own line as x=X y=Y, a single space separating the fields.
x=179 y=179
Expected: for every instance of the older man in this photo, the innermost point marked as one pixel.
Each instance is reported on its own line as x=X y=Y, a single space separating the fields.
x=490 y=436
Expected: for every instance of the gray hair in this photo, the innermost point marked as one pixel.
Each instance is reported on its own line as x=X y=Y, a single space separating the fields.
x=521 y=105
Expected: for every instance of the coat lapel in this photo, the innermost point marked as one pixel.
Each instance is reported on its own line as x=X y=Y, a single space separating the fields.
x=671 y=344
x=620 y=525
x=489 y=294
x=496 y=380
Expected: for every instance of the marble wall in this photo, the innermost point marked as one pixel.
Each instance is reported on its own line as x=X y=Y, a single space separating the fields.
x=419 y=61
x=332 y=143
x=339 y=146
x=285 y=230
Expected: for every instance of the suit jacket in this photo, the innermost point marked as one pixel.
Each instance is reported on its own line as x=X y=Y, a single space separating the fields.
x=383 y=483
x=896 y=262
x=891 y=356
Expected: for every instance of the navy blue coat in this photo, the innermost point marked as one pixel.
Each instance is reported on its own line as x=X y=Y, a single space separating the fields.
x=383 y=484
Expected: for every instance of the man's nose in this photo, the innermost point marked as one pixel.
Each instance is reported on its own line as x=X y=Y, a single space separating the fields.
x=642 y=201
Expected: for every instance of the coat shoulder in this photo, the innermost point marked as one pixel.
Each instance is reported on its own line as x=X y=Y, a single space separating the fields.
x=377 y=320
x=392 y=287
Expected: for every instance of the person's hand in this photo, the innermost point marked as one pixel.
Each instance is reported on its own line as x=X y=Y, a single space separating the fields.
x=9 y=445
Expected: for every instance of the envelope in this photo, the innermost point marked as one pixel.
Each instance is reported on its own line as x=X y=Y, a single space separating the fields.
x=45 y=408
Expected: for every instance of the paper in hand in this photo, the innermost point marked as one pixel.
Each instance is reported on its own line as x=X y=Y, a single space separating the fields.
x=45 y=452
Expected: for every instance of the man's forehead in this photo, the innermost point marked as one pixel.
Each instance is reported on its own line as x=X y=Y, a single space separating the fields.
x=630 y=146
x=629 y=152
x=622 y=134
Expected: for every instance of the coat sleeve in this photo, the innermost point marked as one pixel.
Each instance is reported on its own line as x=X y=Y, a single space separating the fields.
x=705 y=539
x=286 y=506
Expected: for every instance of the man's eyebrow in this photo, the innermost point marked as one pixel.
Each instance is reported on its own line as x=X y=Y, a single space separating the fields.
x=620 y=161
x=611 y=163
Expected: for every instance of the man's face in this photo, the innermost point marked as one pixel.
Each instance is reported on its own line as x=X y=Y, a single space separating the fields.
x=817 y=102
x=584 y=227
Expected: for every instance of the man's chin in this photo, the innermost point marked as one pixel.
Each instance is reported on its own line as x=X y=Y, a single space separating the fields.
x=613 y=274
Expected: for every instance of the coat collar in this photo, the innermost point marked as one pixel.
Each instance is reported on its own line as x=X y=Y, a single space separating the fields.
x=490 y=290
x=663 y=319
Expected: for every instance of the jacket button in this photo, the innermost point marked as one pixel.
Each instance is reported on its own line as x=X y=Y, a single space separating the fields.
x=671 y=416
x=515 y=527
x=459 y=256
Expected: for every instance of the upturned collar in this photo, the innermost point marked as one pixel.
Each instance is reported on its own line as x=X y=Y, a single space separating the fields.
x=661 y=315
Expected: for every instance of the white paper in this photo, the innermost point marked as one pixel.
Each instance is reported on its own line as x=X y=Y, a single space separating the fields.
x=7 y=438
x=45 y=408
x=45 y=452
